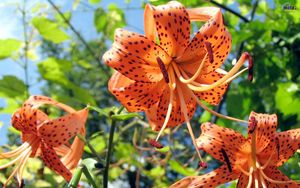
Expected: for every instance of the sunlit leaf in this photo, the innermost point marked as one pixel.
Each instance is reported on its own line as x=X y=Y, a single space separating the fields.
x=123 y=117
x=11 y=86
x=49 y=30
x=177 y=167
x=8 y=47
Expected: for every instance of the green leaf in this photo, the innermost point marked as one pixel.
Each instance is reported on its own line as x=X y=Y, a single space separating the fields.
x=164 y=149
x=8 y=47
x=156 y=172
x=123 y=117
x=11 y=86
x=94 y=1
x=177 y=167
x=49 y=30
x=286 y=100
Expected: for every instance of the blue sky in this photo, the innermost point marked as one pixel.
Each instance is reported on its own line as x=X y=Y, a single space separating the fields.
x=11 y=27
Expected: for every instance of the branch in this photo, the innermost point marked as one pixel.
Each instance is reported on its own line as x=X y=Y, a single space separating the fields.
x=76 y=32
x=230 y=10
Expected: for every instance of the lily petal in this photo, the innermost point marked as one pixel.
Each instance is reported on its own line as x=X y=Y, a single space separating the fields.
x=214 y=139
x=289 y=142
x=172 y=26
x=139 y=46
x=53 y=162
x=132 y=66
x=275 y=174
x=214 y=32
x=265 y=130
x=213 y=96
x=59 y=131
x=211 y=179
x=135 y=96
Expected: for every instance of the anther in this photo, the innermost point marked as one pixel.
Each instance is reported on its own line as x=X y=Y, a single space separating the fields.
x=252 y=124
x=209 y=51
x=155 y=144
x=202 y=164
x=250 y=66
x=226 y=158
x=163 y=69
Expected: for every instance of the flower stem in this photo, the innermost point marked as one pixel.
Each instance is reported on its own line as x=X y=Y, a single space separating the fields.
x=109 y=150
x=76 y=178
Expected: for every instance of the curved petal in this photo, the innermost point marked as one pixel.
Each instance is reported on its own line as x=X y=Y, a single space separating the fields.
x=211 y=179
x=289 y=142
x=214 y=139
x=243 y=181
x=265 y=130
x=214 y=32
x=139 y=46
x=74 y=154
x=59 y=131
x=157 y=113
x=135 y=96
x=53 y=162
x=213 y=96
x=172 y=25
x=275 y=174
x=132 y=66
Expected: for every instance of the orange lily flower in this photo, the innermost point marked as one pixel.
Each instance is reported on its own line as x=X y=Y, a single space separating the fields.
x=253 y=160
x=47 y=138
x=164 y=73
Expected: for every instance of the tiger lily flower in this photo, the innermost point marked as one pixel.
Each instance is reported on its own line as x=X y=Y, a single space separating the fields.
x=164 y=73
x=253 y=160
x=47 y=138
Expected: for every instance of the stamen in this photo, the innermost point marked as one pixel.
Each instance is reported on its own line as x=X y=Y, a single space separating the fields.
x=226 y=158
x=155 y=143
x=21 y=169
x=214 y=112
x=250 y=178
x=184 y=111
x=15 y=152
x=168 y=115
x=256 y=180
x=252 y=124
x=209 y=51
x=221 y=81
x=268 y=161
x=243 y=171
x=163 y=69
x=262 y=180
x=250 y=67
x=202 y=164
x=15 y=160
x=194 y=77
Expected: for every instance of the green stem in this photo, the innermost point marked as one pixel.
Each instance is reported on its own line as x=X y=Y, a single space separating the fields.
x=25 y=66
x=109 y=150
x=91 y=147
x=89 y=176
x=76 y=178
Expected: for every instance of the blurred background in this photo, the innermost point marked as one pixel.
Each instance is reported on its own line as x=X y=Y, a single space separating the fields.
x=54 y=48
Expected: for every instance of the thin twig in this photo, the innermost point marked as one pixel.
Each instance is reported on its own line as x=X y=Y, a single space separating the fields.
x=25 y=66
x=77 y=34
x=229 y=10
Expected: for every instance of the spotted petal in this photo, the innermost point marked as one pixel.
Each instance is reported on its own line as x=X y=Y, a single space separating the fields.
x=212 y=96
x=59 y=131
x=135 y=96
x=214 y=139
x=214 y=32
x=211 y=179
x=289 y=142
x=275 y=174
x=265 y=130
x=172 y=25
x=53 y=162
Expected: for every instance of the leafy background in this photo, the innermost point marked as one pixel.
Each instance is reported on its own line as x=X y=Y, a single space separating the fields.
x=55 y=50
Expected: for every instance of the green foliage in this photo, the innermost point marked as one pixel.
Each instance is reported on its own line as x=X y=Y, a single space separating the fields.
x=8 y=47
x=49 y=30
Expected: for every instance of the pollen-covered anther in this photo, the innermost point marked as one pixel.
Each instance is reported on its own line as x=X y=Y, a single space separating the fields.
x=163 y=69
x=209 y=51
x=202 y=164
x=252 y=124
x=155 y=144
x=250 y=66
